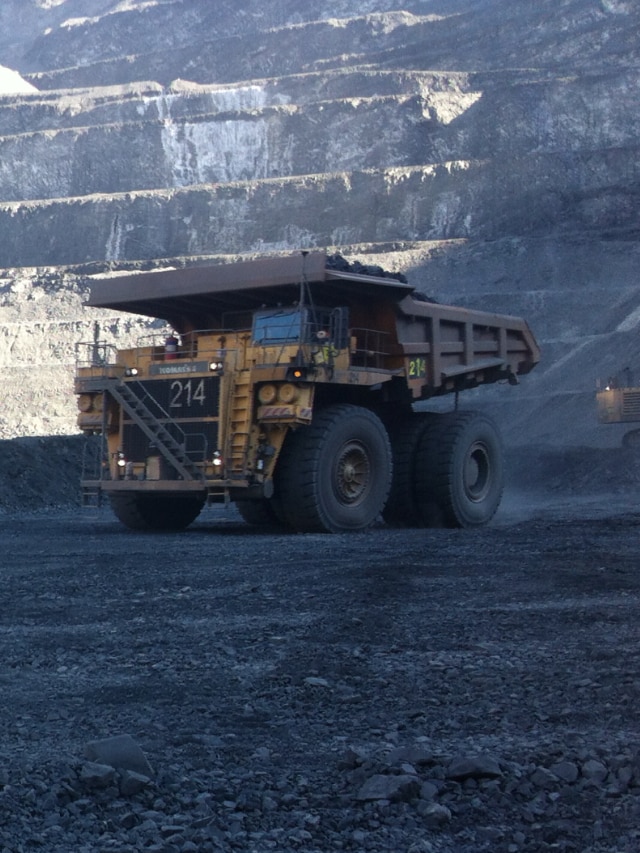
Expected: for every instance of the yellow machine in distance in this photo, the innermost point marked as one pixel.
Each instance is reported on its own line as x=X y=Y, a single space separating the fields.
x=618 y=401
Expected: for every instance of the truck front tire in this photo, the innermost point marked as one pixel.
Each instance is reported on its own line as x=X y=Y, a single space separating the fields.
x=335 y=474
x=259 y=513
x=143 y=511
x=459 y=471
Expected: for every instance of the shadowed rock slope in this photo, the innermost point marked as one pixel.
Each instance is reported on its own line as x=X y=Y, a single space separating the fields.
x=486 y=149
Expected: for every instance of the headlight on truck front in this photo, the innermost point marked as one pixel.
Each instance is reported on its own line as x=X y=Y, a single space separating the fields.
x=267 y=394
x=85 y=402
x=287 y=393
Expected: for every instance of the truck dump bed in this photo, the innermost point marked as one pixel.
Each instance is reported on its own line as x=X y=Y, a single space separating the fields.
x=436 y=348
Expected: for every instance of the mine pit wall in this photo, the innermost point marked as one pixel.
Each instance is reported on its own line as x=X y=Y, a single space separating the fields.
x=144 y=139
x=457 y=200
x=285 y=39
x=42 y=317
x=273 y=142
x=204 y=56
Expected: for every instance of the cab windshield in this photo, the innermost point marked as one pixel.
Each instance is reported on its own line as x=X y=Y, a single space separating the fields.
x=278 y=326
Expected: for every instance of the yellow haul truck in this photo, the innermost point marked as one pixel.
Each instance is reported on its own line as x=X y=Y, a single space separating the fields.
x=288 y=386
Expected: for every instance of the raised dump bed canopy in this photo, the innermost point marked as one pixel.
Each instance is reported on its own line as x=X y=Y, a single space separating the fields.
x=216 y=289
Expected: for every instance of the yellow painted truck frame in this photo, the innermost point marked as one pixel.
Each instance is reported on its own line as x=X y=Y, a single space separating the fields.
x=288 y=386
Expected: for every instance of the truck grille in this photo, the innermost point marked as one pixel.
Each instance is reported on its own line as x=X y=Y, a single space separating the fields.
x=631 y=405
x=187 y=407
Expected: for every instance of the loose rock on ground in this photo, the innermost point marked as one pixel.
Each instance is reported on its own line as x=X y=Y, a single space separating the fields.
x=395 y=690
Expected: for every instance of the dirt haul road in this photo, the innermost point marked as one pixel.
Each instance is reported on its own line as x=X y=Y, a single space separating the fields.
x=390 y=691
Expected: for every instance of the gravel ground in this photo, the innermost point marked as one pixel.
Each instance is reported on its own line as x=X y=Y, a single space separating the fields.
x=404 y=691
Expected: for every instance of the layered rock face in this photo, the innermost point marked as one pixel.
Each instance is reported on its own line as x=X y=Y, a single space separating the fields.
x=487 y=149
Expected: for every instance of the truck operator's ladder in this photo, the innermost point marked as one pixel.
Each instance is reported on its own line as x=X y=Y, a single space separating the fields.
x=240 y=422
x=94 y=452
x=173 y=451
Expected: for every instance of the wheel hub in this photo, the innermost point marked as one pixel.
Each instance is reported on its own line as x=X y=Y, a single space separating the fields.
x=477 y=472
x=352 y=473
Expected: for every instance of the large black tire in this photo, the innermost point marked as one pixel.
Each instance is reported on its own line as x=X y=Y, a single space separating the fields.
x=401 y=509
x=631 y=439
x=260 y=513
x=460 y=471
x=334 y=475
x=144 y=511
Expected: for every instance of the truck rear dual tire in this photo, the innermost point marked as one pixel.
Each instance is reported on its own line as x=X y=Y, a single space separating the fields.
x=334 y=475
x=459 y=471
x=631 y=439
x=402 y=509
x=144 y=511
x=447 y=470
